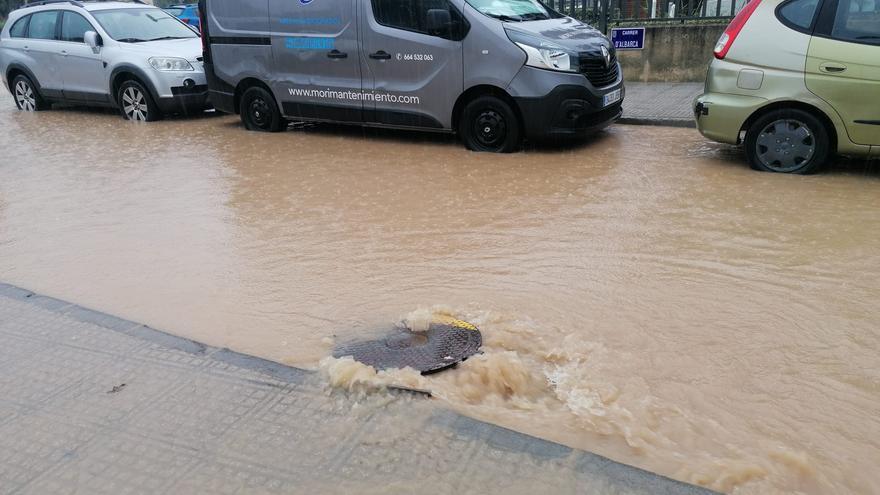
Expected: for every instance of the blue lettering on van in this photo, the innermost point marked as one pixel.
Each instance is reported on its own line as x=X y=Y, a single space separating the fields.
x=305 y=2
x=309 y=21
x=309 y=43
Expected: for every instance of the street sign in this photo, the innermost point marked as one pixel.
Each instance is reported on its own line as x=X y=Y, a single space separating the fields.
x=631 y=38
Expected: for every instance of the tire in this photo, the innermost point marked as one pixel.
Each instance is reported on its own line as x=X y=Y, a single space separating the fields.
x=489 y=124
x=259 y=111
x=788 y=141
x=136 y=103
x=27 y=97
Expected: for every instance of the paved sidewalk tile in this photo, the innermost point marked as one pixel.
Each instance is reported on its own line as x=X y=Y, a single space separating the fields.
x=668 y=104
x=94 y=404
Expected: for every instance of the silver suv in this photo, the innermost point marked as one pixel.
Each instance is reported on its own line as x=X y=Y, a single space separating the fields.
x=130 y=56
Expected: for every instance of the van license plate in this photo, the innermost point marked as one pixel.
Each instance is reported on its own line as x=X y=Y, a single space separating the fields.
x=612 y=97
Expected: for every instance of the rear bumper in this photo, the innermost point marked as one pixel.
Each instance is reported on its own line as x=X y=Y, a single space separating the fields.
x=220 y=94
x=568 y=110
x=222 y=101
x=720 y=116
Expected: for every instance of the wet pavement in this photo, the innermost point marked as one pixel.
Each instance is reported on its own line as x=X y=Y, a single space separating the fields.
x=642 y=295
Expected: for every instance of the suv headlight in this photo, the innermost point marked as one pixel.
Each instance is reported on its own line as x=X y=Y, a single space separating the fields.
x=170 y=64
x=544 y=54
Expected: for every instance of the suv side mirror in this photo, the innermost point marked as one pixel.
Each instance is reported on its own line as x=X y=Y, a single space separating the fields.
x=92 y=39
x=439 y=22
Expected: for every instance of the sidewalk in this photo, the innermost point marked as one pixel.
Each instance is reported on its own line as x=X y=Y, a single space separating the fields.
x=667 y=104
x=90 y=403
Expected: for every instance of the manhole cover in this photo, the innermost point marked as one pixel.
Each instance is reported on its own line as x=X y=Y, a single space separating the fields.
x=445 y=343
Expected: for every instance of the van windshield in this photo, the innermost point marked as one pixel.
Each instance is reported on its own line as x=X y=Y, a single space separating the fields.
x=139 y=25
x=512 y=10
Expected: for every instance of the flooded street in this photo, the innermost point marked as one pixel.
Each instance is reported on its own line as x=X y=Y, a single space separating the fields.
x=644 y=295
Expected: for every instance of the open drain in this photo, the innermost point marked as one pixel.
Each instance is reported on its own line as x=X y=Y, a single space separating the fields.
x=446 y=343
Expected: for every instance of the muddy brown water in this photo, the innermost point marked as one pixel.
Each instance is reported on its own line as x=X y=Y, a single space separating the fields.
x=643 y=295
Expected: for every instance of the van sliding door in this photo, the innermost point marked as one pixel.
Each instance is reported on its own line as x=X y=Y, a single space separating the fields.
x=315 y=48
x=412 y=58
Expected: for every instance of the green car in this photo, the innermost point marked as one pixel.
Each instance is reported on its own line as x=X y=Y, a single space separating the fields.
x=795 y=82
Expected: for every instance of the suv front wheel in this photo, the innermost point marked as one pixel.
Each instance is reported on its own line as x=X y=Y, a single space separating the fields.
x=136 y=103
x=788 y=141
x=27 y=98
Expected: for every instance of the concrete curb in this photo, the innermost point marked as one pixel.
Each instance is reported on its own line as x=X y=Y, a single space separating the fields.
x=278 y=371
x=623 y=478
x=685 y=124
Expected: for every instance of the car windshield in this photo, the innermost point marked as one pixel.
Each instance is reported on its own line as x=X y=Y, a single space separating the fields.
x=512 y=10
x=139 y=25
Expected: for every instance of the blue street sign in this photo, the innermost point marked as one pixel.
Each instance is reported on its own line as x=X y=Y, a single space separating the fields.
x=628 y=38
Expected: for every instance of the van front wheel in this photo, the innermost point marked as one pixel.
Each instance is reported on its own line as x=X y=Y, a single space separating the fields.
x=259 y=112
x=489 y=124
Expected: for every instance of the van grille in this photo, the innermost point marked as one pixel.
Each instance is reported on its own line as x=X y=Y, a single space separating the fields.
x=593 y=67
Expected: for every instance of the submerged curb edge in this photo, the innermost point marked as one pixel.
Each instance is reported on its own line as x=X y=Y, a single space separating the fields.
x=623 y=477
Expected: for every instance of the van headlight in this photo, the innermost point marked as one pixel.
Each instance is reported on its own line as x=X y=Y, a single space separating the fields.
x=543 y=54
x=170 y=64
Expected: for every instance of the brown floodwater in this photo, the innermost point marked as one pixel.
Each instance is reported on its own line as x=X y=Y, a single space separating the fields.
x=643 y=295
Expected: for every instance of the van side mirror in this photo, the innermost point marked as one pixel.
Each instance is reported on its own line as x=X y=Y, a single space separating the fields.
x=439 y=22
x=92 y=39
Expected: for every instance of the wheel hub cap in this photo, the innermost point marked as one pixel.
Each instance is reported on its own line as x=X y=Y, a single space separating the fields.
x=134 y=104
x=25 y=96
x=491 y=128
x=260 y=114
x=786 y=145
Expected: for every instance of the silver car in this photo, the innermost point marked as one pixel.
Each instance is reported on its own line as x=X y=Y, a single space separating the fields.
x=130 y=56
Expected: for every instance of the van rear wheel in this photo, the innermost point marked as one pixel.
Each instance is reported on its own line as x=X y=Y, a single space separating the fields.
x=789 y=141
x=489 y=124
x=259 y=111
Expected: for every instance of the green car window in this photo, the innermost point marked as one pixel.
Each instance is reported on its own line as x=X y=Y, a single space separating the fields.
x=800 y=13
x=858 y=21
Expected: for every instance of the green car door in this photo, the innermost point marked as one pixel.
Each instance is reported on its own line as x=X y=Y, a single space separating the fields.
x=843 y=65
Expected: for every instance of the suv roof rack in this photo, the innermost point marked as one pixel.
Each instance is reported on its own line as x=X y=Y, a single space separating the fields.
x=37 y=3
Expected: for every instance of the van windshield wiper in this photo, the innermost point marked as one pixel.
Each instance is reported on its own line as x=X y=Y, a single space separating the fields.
x=169 y=38
x=506 y=18
x=130 y=40
x=534 y=16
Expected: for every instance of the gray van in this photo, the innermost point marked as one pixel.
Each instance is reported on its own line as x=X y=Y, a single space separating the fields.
x=495 y=71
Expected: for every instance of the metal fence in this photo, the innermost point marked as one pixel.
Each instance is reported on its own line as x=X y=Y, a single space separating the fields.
x=647 y=11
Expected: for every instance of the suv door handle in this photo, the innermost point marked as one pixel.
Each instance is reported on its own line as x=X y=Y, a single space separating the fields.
x=380 y=55
x=336 y=54
x=64 y=52
x=832 y=67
